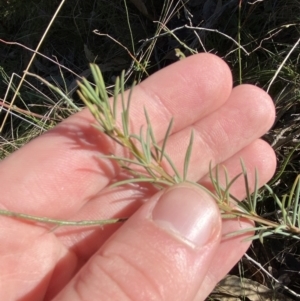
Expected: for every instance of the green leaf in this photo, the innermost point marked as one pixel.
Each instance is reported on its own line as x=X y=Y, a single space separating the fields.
x=177 y=177
x=162 y=154
x=115 y=101
x=145 y=148
x=255 y=193
x=98 y=79
x=188 y=156
x=248 y=194
x=153 y=140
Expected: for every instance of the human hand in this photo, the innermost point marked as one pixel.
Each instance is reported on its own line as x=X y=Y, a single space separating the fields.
x=171 y=248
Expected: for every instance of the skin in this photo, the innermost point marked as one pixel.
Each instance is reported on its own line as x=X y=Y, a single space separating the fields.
x=61 y=175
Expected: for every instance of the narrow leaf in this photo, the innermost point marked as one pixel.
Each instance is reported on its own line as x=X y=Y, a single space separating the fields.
x=162 y=154
x=255 y=193
x=98 y=79
x=153 y=140
x=188 y=156
x=145 y=148
x=177 y=174
x=116 y=93
x=248 y=194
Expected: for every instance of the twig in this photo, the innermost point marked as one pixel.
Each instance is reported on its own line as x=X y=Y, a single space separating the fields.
x=282 y=64
x=272 y=277
x=25 y=112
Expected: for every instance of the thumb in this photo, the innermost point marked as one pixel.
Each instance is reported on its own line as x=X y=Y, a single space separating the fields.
x=162 y=252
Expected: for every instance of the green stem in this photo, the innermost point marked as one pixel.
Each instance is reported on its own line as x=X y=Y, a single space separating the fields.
x=59 y=222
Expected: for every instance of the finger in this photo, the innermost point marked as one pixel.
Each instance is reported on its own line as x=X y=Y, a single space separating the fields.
x=163 y=252
x=229 y=252
x=257 y=156
x=247 y=115
x=60 y=171
x=187 y=91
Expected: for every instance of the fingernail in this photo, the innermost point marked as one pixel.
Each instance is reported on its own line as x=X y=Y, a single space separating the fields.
x=189 y=213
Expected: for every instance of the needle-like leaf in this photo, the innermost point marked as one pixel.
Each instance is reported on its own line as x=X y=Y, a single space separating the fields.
x=188 y=156
x=168 y=132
